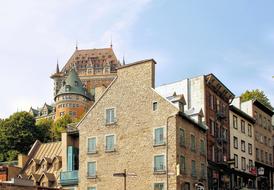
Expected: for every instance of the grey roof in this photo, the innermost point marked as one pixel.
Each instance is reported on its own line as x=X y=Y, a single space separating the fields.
x=73 y=85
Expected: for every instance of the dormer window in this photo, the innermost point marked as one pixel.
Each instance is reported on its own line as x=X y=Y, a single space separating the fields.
x=67 y=89
x=181 y=106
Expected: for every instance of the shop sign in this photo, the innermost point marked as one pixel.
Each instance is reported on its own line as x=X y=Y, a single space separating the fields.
x=260 y=171
x=253 y=170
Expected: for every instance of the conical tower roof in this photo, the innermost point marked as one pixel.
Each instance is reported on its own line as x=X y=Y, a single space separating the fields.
x=73 y=85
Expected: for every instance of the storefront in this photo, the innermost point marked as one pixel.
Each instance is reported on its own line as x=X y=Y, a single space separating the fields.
x=264 y=176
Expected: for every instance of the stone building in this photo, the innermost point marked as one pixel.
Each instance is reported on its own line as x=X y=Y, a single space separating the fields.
x=93 y=68
x=208 y=93
x=242 y=148
x=131 y=130
x=263 y=143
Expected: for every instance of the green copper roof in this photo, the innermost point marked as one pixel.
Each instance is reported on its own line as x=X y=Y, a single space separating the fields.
x=73 y=85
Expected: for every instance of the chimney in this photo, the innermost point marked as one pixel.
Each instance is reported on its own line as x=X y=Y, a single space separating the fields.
x=22 y=159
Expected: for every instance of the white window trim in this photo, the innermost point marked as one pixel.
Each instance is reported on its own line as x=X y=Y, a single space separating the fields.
x=95 y=169
x=114 y=143
x=95 y=146
x=92 y=186
x=115 y=116
x=163 y=154
x=164 y=135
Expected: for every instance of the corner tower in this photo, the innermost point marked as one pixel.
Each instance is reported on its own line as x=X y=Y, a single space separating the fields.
x=72 y=98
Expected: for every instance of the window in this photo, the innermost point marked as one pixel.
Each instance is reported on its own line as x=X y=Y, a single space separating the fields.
x=91 y=169
x=110 y=140
x=213 y=153
x=182 y=137
x=262 y=155
x=243 y=163
x=110 y=115
x=159 y=136
x=193 y=168
x=270 y=158
x=202 y=146
x=186 y=186
x=257 y=154
x=212 y=127
x=243 y=145
x=266 y=157
x=154 y=106
x=92 y=145
x=235 y=122
x=211 y=101
x=158 y=186
x=193 y=143
x=243 y=126
x=249 y=148
x=159 y=163
x=203 y=172
x=236 y=160
x=249 y=130
x=182 y=165
x=235 y=142
x=250 y=164
x=91 y=188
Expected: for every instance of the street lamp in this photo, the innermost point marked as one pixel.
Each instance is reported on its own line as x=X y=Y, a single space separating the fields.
x=124 y=175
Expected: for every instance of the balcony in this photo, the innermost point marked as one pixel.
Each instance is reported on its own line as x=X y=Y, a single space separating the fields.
x=69 y=178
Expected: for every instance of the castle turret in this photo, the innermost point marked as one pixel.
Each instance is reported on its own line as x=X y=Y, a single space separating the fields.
x=72 y=98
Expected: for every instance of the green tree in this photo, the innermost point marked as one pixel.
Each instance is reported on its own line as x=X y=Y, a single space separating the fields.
x=60 y=125
x=256 y=94
x=17 y=133
x=44 y=130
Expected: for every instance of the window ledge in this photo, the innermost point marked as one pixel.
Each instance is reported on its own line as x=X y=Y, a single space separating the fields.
x=110 y=124
x=160 y=144
x=92 y=177
x=159 y=172
x=95 y=152
x=109 y=151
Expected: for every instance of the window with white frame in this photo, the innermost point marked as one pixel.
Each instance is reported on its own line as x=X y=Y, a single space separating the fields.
x=92 y=145
x=159 y=136
x=159 y=163
x=110 y=115
x=110 y=142
x=91 y=188
x=154 y=106
x=91 y=169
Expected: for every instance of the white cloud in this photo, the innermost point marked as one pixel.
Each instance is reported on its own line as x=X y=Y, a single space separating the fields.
x=34 y=33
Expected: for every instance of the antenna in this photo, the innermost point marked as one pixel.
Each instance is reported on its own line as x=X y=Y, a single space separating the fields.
x=76 y=45
x=111 y=41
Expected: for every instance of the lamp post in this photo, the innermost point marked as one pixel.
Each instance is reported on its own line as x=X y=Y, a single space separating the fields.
x=124 y=175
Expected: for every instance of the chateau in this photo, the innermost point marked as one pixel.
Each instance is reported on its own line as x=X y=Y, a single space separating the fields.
x=75 y=83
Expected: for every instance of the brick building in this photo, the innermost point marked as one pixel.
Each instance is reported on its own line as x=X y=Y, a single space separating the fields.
x=208 y=93
x=133 y=129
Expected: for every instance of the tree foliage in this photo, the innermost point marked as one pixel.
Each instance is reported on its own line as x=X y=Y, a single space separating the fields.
x=256 y=94
x=20 y=131
x=60 y=125
x=44 y=130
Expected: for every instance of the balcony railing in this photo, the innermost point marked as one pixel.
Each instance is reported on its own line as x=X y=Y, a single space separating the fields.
x=69 y=178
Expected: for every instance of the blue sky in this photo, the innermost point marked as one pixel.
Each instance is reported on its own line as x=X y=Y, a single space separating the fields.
x=234 y=39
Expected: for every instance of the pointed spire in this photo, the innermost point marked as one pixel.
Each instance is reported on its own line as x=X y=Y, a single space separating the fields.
x=57 y=67
x=76 y=45
x=111 y=42
x=124 y=62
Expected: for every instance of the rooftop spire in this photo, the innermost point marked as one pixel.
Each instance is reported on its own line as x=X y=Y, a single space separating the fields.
x=76 y=45
x=110 y=41
x=57 y=67
x=124 y=62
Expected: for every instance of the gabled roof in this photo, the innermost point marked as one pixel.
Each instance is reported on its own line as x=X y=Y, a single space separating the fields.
x=49 y=176
x=73 y=85
x=33 y=111
x=48 y=160
x=36 y=177
x=177 y=98
x=193 y=111
x=100 y=55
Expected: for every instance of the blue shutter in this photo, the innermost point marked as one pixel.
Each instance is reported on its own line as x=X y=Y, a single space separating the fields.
x=91 y=169
x=70 y=158
x=92 y=144
x=110 y=142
